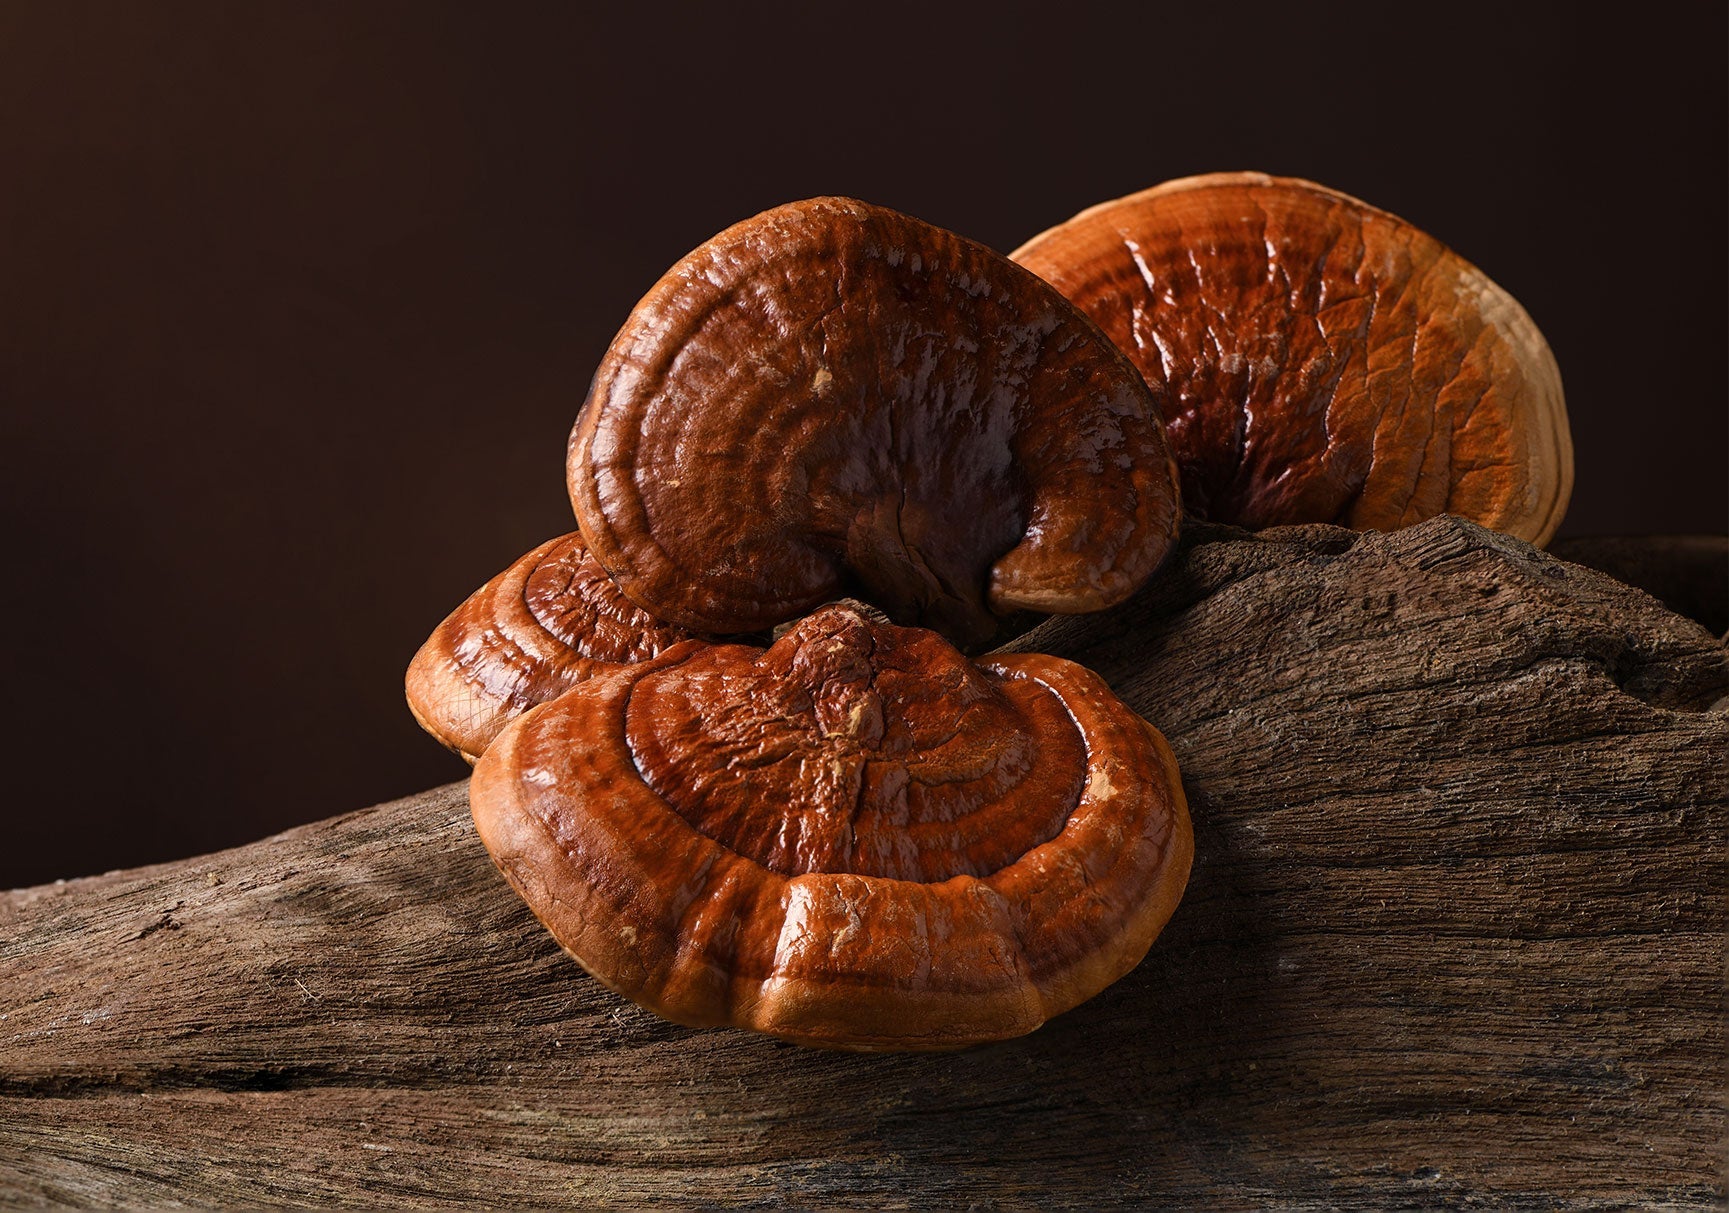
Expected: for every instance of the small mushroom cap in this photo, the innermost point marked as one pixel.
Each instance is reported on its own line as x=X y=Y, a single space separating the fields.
x=832 y=399
x=855 y=838
x=534 y=631
x=1323 y=361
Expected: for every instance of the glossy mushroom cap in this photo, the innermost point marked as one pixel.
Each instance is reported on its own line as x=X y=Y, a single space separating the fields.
x=856 y=838
x=834 y=399
x=534 y=631
x=1324 y=361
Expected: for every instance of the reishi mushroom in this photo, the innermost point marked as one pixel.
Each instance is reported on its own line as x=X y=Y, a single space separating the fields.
x=856 y=838
x=832 y=398
x=1321 y=360
x=531 y=633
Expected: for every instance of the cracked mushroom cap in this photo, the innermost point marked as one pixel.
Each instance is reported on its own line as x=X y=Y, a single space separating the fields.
x=1324 y=361
x=855 y=838
x=537 y=629
x=833 y=398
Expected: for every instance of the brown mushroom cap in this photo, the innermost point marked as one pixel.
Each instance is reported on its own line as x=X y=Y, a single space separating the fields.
x=833 y=398
x=534 y=631
x=1325 y=361
x=855 y=838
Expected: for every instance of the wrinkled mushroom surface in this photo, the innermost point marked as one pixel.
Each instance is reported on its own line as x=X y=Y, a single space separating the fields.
x=534 y=631
x=855 y=838
x=1324 y=361
x=832 y=399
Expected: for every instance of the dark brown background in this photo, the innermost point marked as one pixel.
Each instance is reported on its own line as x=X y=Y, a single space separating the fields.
x=298 y=302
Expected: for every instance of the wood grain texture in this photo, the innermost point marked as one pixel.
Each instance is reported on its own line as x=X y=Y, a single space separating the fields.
x=1689 y=574
x=1454 y=936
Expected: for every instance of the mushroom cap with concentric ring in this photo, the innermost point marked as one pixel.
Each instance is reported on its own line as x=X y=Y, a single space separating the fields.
x=856 y=838
x=528 y=635
x=834 y=399
x=1320 y=360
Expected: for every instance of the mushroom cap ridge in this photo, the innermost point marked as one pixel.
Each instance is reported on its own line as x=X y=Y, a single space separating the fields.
x=1321 y=360
x=967 y=850
x=832 y=398
x=529 y=634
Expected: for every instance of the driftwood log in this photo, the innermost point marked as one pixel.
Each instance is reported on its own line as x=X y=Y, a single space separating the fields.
x=1455 y=935
x=1689 y=574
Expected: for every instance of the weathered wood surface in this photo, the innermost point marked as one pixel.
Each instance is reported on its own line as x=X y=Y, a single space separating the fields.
x=1455 y=936
x=1689 y=574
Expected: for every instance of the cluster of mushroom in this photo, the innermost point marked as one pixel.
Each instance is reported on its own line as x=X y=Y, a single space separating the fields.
x=898 y=448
